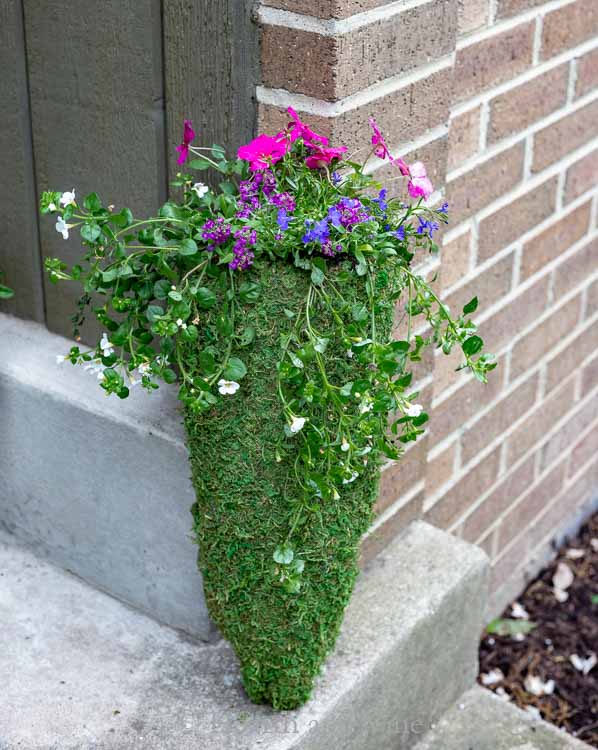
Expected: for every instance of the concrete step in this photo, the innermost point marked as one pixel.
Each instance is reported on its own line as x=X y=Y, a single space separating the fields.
x=97 y=485
x=480 y=720
x=78 y=669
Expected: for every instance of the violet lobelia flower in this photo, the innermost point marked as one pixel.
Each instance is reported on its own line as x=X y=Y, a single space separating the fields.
x=245 y=239
x=188 y=136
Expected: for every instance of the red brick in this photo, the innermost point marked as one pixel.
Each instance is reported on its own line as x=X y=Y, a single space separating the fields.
x=502 y=497
x=559 y=139
x=538 y=423
x=331 y=68
x=454 y=503
x=440 y=469
x=576 y=269
x=472 y=15
x=584 y=451
x=587 y=73
x=589 y=377
x=492 y=61
x=375 y=542
x=520 y=107
x=327 y=8
x=553 y=241
x=455 y=260
x=486 y=182
x=508 y=224
x=464 y=137
x=508 y=410
x=402 y=475
x=571 y=357
x=488 y=286
x=568 y=26
x=540 y=340
x=524 y=513
x=506 y=8
x=515 y=316
x=581 y=176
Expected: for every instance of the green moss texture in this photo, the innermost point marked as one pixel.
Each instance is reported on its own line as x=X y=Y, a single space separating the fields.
x=246 y=501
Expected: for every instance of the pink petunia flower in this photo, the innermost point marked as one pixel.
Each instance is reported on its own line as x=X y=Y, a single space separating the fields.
x=380 y=147
x=419 y=185
x=299 y=129
x=263 y=151
x=321 y=157
x=188 y=136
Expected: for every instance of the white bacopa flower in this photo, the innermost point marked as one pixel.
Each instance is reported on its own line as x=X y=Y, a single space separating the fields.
x=414 y=410
x=345 y=445
x=519 y=612
x=586 y=665
x=68 y=198
x=181 y=324
x=536 y=685
x=297 y=424
x=350 y=353
x=200 y=189
x=51 y=207
x=365 y=406
x=492 y=677
x=63 y=228
x=144 y=368
x=106 y=346
x=227 y=387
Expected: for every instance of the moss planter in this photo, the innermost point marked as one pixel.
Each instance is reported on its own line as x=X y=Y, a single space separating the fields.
x=246 y=501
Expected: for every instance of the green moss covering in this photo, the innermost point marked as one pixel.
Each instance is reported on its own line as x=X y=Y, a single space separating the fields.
x=245 y=505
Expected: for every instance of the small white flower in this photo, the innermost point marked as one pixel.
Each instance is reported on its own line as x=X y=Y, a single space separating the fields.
x=352 y=478
x=492 y=677
x=68 y=198
x=51 y=207
x=106 y=346
x=345 y=445
x=519 y=612
x=584 y=666
x=366 y=405
x=536 y=685
x=350 y=353
x=181 y=324
x=144 y=368
x=63 y=228
x=200 y=189
x=227 y=387
x=414 y=410
x=297 y=424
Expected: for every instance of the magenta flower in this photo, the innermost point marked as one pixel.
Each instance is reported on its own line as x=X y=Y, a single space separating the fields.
x=299 y=129
x=263 y=151
x=419 y=185
x=188 y=136
x=321 y=157
x=380 y=147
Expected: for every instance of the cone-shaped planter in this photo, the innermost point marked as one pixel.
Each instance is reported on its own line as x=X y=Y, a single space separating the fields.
x=247 y=494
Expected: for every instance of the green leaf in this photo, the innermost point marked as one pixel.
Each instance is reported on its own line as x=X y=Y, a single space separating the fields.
x=471 y=306
x=283 y=554
x=472 y=345
x=249 y=291
x=235 y=369
x=510 y=627
x=318 y=267
x=6 y=292
x=175 y=295
x=204 y=297
x=90 y=232
x=359 y=313
x=188 y=247
x=207 y=362
x=123 y=218
x=169 y=376
x=200 y=164
x=92 y=202
x=161 y=289
x=594 y=598
x=153 y=312
x=248 y=336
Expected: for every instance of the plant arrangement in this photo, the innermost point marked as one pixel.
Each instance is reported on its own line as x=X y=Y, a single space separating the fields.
x=271 y=302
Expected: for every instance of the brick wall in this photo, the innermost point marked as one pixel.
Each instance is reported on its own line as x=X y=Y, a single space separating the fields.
x=500 y=99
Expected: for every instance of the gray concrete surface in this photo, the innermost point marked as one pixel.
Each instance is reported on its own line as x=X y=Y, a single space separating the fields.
x=482 y=721
x=80 y=670
x=98 y=485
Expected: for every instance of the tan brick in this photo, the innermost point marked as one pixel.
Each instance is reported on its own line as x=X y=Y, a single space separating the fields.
x=464 y=137
x=502 y=497
x=445 y=371
x=488 y=286
x=440 y=469
x=487 y=543
x=569 y=26
x=581 y=176
x=454 y=503
x=546 y=335
x=472 y=15
x=587 y=73
x=557 y=140
x=400 y=476
x=589 y=377
x=455 y=260
x=540 y=422
x=326 y=8
x=486 y=182
x=592 y=303
x=508 y=224
x=570 y=358
x=524 y=513
x=492 y=61
x=402 y=116
x=374 y=543
x=331 y=68
x=506 y=8
x=575 y=270
x=553 y=241
x=520 y=107
x=515 y=315
x=509 y=409
x=576 y=423
x=584 y=451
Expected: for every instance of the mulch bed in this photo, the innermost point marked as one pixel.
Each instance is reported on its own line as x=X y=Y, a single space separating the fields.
x=563 y=628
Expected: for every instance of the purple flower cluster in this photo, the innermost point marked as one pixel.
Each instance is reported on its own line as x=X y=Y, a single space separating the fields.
x=215 y=231
x=283 y=200
x=245 y=239
x=348 y=212
x=316 y=231
x=428 y=227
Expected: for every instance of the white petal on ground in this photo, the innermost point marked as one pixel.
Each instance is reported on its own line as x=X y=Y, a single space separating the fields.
x=502 y=694
x=594 y=544
x=586 y=665
x=575 y=554
x=297 y=424
x=492 y=677
x=536 y=685
x=561 y=581
x=519 y=612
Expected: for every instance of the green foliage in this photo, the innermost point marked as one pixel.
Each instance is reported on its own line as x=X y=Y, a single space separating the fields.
x=506 y=626
x=5 y=291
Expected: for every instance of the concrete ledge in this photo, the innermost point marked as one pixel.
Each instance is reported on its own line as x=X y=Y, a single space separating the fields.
x=99 y=486
x=82 y=670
